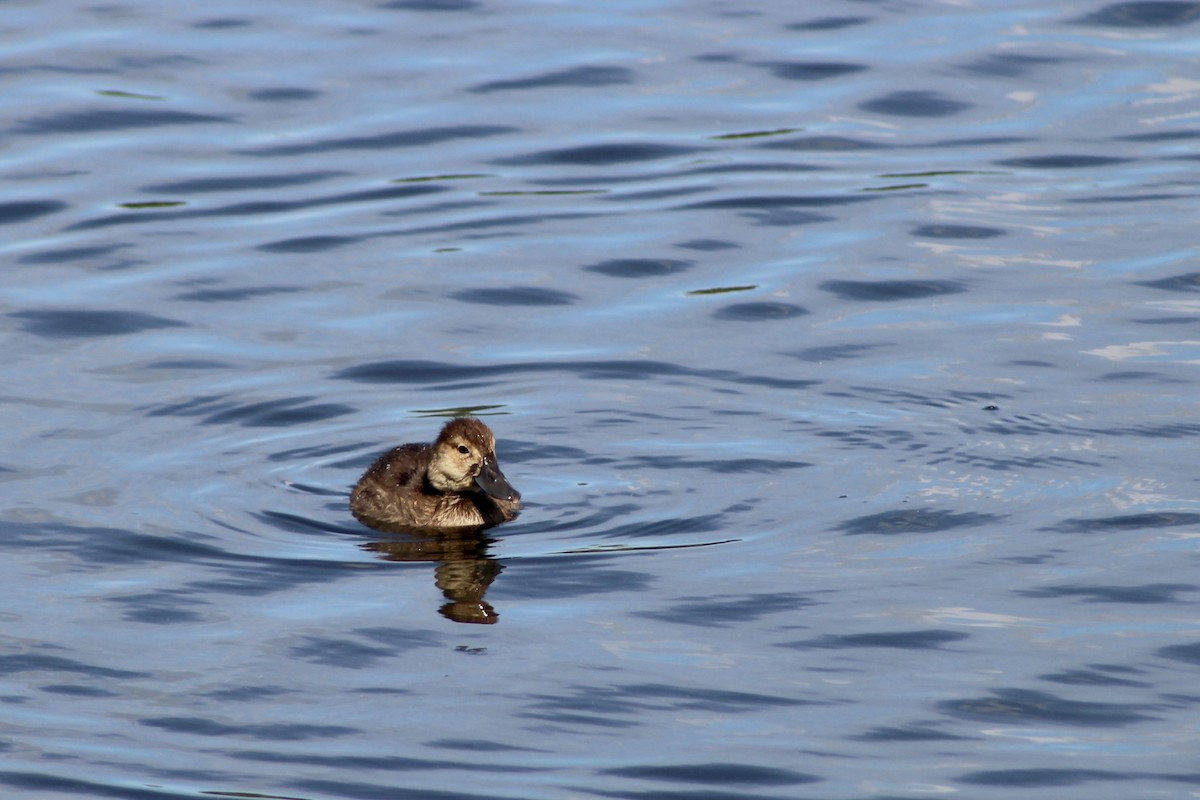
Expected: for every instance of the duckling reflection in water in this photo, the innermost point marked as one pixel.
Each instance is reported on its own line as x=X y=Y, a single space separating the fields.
x=464 y=570
x=453 y=483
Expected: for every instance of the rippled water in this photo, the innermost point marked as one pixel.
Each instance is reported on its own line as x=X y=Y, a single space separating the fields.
x=844 y=353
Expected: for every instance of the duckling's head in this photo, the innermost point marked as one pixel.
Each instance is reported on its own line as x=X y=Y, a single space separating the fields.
x=464 y=459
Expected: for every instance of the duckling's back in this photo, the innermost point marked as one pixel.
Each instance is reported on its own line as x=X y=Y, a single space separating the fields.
x=391 y=491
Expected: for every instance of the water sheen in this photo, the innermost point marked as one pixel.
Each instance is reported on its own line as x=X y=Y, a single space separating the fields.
x=845 y=355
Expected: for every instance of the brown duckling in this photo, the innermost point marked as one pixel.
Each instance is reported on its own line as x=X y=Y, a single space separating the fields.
x=453 y=483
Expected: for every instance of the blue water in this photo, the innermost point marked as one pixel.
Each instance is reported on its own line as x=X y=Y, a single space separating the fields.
x=844 y=354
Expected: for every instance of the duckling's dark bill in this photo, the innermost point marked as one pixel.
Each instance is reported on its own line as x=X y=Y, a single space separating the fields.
x=492 y=481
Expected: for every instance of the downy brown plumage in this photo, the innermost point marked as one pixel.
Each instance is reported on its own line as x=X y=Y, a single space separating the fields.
x=453 y=483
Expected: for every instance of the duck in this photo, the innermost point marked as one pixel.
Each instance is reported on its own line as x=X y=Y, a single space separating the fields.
x=455 y=482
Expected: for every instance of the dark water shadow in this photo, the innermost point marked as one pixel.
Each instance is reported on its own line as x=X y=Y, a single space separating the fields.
x=835 y=352
x=1009 y=65
x=887 y=291
x=309 y=244
x=760 y=311
x=162 y=606
x=725 y=610
x=436 y=6
x=17 y=663
x=599 y=155
x=516 y=296
x=217 y=572
x=1028 y=707
x=69 y=255
x=1187 y=282
x=917 y=520
x=422 y=137
x=33 y=784
x=1160 y=136
x=101 y=120
x=1098 y=675
x=584 y=77
x=957 y=232
x=437 y=374
x=480 y=746
x=23 y=211
x=780 y=210
x=283 y=94
x=810 y=70
x=1152 y=14
x=241 y=183
x=279 y=413
x=823 y=144
x=708 y=245
x=1062 y=161
x=233 y=295
x=828 y=24
x=616 y=707
x=721 y=466
x=1187 y=653
x=899 y=640
x=260 y=207
x=913 y=103
x=629 y=533
x=710 y=774
x=269 y=732
x=104 y=545
x=74 y=323
x=1146 y=593
x=1067 y=776
x=763 y=203
x=312 y=788
x=364 y=648
x=1126 y=522
x=392 y=763
x=908 y=733
x=1026 y=425
x=690 y=169
x=503 y=225
x=975 y=142
x=640 y=267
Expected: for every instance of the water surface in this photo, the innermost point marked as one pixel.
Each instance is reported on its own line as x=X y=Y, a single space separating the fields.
x=844 y=355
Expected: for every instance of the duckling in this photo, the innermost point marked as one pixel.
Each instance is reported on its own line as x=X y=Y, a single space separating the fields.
x=453 y=483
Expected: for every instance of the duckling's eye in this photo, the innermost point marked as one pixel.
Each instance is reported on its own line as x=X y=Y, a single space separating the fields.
x=462 y=448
